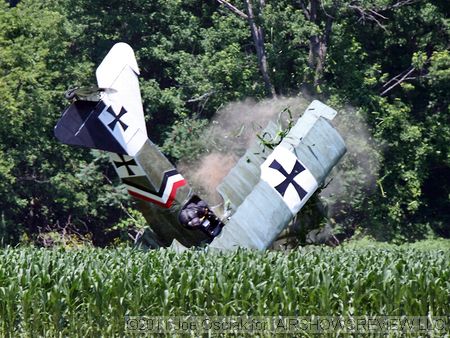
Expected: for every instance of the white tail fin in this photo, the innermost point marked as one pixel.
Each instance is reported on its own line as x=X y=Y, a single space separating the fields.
x=123 y=115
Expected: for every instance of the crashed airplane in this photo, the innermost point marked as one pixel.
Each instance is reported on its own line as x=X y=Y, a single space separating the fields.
x=261 y=194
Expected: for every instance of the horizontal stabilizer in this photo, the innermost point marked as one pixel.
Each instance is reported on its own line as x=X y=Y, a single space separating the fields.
x=80 y=126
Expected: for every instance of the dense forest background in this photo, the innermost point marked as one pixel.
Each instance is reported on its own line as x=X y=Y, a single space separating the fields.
x=388 y=59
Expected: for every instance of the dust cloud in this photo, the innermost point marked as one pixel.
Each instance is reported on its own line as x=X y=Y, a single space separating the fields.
x=356 y=175
x=235 y=127
x=232 y=130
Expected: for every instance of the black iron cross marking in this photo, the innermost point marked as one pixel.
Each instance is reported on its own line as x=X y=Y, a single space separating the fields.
x=126 y=163
x=289 y=178
x=116 y=120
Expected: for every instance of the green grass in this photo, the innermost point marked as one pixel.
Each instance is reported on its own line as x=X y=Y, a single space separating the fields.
x=88 y=292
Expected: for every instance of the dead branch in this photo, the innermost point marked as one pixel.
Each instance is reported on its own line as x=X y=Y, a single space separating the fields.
x=234 y=9
x=369 y=14
x=201 y=97
x=329 y=16
x=34 y=179
x=401 y=4
x=374 y=14
x=397 y=76
x=403 y=78
x=305 y=10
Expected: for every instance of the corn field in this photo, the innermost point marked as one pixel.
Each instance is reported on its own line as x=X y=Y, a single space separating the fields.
x=89 y=292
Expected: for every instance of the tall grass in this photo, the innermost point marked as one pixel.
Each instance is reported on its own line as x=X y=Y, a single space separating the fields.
x=88 y=292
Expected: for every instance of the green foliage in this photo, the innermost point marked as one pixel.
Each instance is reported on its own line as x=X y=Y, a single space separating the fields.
x=287 y=37
x=185 y=140
x=45 y=186
x=271 y=141
x=89 y=292
x=408 y=120
x=130 y=227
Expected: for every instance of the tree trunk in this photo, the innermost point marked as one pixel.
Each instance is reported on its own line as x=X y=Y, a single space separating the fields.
x=258 y=38
x=318 y=43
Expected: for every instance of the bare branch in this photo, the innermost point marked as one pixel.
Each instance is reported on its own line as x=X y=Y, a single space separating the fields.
x=396 y=77
x=417 y=77
x=305 y=10
x=34 y=179
x=374 y=13
x=401 y=4
x=234 y=9
x=369 y=14
x=325 y=11
x=377 y=14
x=201 y=97
x=403 y=78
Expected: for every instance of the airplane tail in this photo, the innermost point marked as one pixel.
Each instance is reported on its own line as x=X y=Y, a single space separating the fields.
x=80 y=126
x=116 y=124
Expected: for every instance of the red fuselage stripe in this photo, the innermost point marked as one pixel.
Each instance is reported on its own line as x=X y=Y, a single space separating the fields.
x=170 y=200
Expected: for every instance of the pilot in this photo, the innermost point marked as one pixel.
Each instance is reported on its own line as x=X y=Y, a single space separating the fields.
x=194 y=214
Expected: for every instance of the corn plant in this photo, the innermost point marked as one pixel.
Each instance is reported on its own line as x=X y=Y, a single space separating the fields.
x=88 y=292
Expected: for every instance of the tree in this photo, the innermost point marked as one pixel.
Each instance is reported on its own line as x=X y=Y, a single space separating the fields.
x=366 y=60
x=45 y=186
x=319 y=41
x=257 y=32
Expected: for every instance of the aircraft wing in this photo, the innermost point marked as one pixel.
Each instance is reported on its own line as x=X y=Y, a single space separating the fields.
x=284 y=179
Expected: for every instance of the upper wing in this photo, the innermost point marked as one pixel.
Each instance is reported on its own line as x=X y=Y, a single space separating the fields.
x=242 y=179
